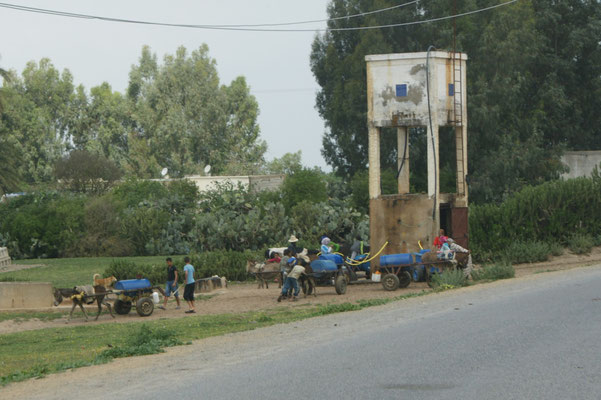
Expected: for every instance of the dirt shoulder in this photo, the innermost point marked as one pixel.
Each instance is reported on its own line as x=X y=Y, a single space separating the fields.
x=244 y=297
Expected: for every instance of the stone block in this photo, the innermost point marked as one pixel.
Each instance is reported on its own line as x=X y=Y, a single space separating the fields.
x=14 y=295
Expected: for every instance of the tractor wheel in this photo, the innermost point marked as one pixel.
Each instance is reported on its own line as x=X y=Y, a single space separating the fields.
x=144 y=306
x=390 y=282
x=340 y=284
x=404 y=279
x=122 y=307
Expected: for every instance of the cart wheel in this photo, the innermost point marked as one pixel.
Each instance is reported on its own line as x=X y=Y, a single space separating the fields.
x=404 y=279
x=390 y=282
x=340 y=284
x=122 y=307
x=144 y=306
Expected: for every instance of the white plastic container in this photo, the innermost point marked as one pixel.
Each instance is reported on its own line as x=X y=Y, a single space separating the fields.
x=376 y=276
x=155 y=297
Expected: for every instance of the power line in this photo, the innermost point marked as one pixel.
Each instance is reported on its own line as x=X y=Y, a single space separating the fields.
x=206 y=26
x=242 y=28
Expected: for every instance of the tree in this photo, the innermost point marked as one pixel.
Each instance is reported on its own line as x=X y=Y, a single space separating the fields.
x=36 y=118
x=9 y=173
x=86 y=172
x=288 y=164
x=304 y=185
x=188 y=119
x=533 y=83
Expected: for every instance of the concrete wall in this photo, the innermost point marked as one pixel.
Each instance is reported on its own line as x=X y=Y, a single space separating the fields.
x=254 y=182
x=259 y=183
x=402 y=220
x=15 y=295
x=581 y=163
x=4 y=257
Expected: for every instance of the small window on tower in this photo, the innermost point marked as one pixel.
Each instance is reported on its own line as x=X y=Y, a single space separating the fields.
x=401 y=90
x=451 y=89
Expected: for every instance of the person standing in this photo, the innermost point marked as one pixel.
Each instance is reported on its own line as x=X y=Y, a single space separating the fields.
x=190 y=282
x=171 y=285
x=292 y=280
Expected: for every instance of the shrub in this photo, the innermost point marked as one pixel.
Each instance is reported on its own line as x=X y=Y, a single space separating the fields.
x=580 y=243
x=133 y=192
x=304 y=185
x=83 y=172
x=556 y=249
x=448 y=279
x=503 y=270
x=229 y=264
x=527 y=252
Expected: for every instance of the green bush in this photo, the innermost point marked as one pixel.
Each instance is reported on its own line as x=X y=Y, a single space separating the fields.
x=580 y=243
x=229 y=264
x=556 y=249
x=548 y=213
x=502 y=270
x=448 y=279
x=42 y=225
x=304 y=185
x=527 y=252
x=133 y=192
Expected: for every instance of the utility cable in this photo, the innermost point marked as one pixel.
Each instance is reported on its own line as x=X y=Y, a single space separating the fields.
x=86 y=16
x=241 y=28
x=431 y=130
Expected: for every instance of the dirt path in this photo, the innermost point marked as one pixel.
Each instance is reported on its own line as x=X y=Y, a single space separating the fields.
x=18 y=267
x=246 y=297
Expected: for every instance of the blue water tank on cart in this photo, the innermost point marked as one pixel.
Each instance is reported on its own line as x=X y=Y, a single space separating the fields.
x=396 y=259
x=365 y=267
x=336 y=258
x=418 y=256
x=323 y=266
x=132 y=284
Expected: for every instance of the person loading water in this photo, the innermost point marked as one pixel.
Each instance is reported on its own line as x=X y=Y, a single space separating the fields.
x=292 y=280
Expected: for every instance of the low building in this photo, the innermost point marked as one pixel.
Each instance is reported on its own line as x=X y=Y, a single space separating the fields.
x=580 y=163
x=255 y=183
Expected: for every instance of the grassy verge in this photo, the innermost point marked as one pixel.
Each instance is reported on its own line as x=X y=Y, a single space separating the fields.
x=68 y=272
x=37 y=353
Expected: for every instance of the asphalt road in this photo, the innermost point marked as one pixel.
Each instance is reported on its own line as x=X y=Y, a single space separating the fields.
x=533 y=338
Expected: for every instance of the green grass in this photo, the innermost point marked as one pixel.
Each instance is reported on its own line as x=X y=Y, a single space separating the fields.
x=68 y=272
x=37 y=353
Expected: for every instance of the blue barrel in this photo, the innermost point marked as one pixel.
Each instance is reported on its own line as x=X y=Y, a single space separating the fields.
x=365 y=267
x=396 y=259
x=336 y=258
x=418 y=256
x=132 y=284
x=323 y=266
x=419 y=272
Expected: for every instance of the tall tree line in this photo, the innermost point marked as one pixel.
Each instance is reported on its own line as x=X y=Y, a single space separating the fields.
x=175 y=114
x=534 y=83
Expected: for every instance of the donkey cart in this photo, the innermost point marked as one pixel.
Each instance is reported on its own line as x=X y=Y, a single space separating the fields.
x=328 y=270
x=134 y=291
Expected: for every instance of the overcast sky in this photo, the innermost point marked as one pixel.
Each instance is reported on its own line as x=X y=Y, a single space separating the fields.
x=276 y=65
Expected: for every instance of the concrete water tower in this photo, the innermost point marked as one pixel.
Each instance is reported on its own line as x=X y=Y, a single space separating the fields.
x=416 y=90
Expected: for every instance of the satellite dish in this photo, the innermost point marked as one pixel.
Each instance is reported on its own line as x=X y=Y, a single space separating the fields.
x=164 y=172
x=207 y=169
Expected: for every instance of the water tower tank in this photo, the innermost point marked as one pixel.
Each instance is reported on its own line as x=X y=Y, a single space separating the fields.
x=397 y=88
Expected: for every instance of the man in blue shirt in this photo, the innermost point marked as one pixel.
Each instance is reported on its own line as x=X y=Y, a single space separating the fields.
x=190 y=282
